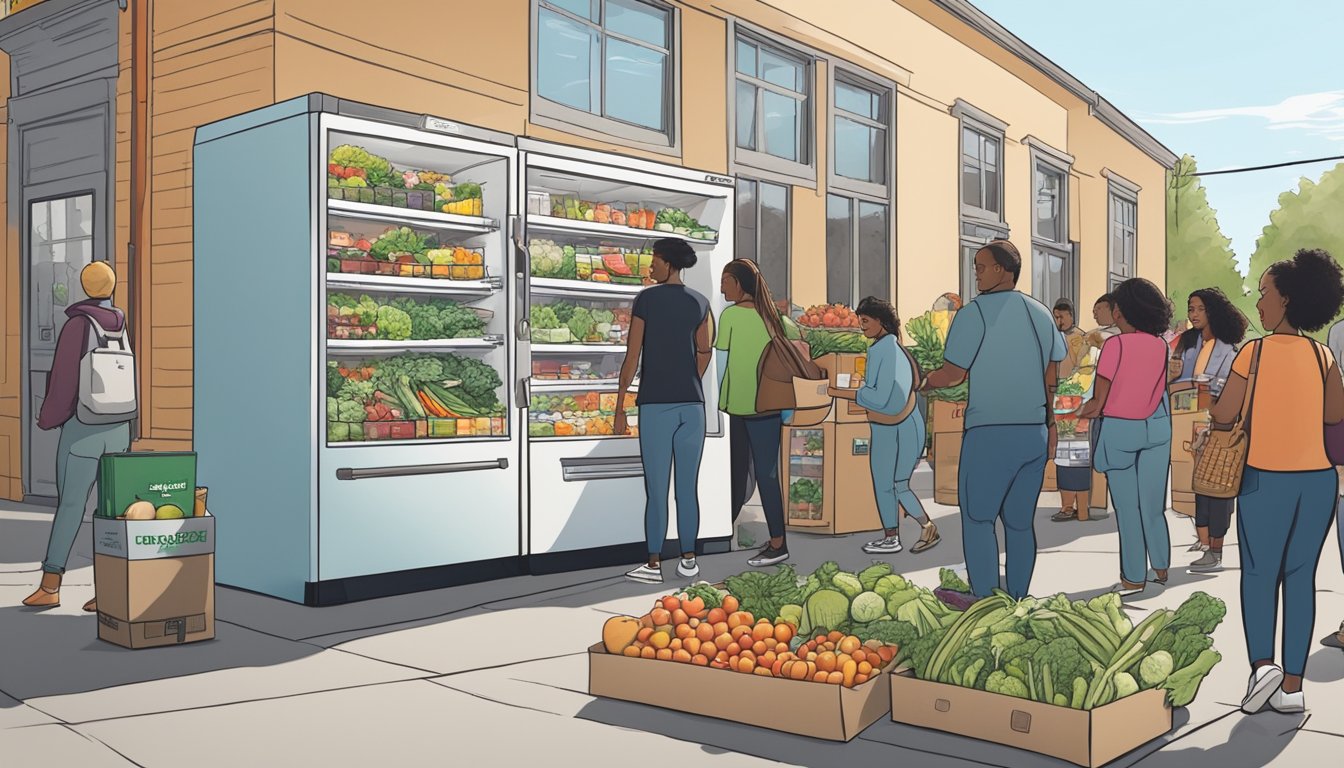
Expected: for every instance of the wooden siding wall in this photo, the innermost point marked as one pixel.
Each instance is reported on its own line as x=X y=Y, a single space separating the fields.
x=210 y=59
x=11 y=337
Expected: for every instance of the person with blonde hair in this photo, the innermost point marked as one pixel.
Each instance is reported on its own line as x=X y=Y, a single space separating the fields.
x=81 y=445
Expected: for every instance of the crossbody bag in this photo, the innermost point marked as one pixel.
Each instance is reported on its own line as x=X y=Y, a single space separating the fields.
x=1221 y=456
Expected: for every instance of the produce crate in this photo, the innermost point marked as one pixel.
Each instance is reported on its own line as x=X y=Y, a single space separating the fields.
x=389 y=430
x=1089 y=738
x=949 y=422
x=830 y=712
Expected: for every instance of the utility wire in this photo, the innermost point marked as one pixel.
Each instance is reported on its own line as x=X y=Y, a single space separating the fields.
x=1267 y=167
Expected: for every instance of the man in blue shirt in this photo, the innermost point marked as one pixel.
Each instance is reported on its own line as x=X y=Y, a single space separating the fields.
x=1009 y=346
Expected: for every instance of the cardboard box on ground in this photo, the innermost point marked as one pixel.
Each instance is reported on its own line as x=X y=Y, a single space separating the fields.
x=1187 y=420
x=1088 y=738
x=818 y=710
x=833 y=457
x=949 y=421
x=155 y=579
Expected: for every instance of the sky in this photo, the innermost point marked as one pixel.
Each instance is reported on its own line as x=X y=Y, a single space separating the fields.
x=1233 y=83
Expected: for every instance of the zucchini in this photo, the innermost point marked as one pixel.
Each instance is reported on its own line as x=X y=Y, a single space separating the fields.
x=404 y=393
x=451 y=401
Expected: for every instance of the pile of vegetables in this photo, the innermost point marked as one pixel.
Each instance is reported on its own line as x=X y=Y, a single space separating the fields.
x=806 y=492
x=929 y=332
x=402 y=240
x=564 y=322
x=832 y=316
x=679 y=222
x=549 y=259
x=375 y=170
x=827 y=342
x=589 y=413
x=1079 y=654
x=707 y=628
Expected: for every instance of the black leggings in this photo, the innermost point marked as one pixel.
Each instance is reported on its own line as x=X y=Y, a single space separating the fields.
x=1214 y=514
x=742 y=475
x=763 y=438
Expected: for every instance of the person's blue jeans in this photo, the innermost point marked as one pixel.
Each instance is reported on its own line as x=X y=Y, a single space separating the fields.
x=1282 y=523
x=893 y=452
x=1135 y=454
x=1000 y=476
x=81 y=446
x=671 y=436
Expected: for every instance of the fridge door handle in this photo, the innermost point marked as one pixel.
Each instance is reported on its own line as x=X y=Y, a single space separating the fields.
x=522 y=277
x=524 y=392
x=579 y=470
x=347 y=473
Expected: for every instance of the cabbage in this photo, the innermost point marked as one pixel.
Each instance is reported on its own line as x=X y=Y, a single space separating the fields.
x=1125 y=685
x=1155 y=669
x=891 y=584
x=847 y=583
x=868 y=606
x=826 y=608
x=869 y=576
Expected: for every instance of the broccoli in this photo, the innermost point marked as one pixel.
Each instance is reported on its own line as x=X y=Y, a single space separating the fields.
x=1200 y=610
x=1183 y=684
x=1015 y=657
x=332 y=414
x=824 y=573
x=355 y=391
x=393 y=323
x=348 y=410
x=920 y=652
x=1189 y=643
x=544 y=318
x=1000 y=642
x=1059 y=660
x=1001 y=682
x=948 y=579
x=334 y=377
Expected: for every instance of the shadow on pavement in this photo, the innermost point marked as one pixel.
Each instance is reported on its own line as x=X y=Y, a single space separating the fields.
x=881 y=745
x=1254 y=740
x=1326 y=665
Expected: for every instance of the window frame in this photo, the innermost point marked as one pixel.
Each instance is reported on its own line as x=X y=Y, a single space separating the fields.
x=1047 y=159
x=855 y=281
x=552 y=114
x=974 y=235
x=841 y=72
x=989 y=127
x=788 y=230
x=758 y=163
x=1120 y=191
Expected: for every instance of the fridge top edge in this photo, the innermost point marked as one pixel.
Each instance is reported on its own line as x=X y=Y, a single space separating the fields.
x=321 y=103
x=623 y=162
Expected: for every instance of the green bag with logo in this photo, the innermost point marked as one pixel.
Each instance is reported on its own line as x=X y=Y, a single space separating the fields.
x=159 y=477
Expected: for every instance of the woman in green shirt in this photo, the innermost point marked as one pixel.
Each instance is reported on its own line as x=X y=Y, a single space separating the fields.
x=742 y=340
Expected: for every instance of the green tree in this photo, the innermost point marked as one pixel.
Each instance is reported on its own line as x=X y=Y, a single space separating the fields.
x=1309 y=217
x=1199 y=255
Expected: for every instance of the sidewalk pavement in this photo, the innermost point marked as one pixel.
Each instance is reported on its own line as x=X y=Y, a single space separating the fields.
x=496 y=673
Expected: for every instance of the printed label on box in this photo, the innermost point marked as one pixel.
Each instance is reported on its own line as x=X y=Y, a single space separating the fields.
x=151 y=539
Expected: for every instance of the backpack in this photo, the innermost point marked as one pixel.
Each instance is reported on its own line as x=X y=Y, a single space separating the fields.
x=107 y=378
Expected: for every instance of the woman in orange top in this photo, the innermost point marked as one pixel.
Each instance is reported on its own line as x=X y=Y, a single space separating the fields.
x=1288 y=490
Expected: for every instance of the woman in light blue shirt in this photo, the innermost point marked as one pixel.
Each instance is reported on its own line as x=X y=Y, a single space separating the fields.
x=897 y=432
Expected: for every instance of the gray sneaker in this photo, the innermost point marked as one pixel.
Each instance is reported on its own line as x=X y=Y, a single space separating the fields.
x=1198 y=547
x=886 y=546
x=1211 y=562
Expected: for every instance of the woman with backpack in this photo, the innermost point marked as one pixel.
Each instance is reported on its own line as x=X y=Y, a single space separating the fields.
x=745 y=330
x=82 y=444
x=897 y=431
x=1289 y=386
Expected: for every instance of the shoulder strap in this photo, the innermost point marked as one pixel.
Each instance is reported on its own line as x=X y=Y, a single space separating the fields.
x=916 y=383
x=1249 y=401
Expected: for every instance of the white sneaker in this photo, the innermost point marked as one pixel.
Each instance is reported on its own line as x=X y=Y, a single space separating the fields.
x=1287 y=703
x=646 y=575
x=1264 y=683
x=887 y=546
x=688 y=568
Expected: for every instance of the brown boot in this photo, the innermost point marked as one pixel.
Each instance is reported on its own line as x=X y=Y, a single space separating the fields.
x=91 y=606
x=48 y=594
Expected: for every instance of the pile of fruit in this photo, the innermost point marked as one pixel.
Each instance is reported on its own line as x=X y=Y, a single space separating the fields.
x=684 y=628
x=832 y=316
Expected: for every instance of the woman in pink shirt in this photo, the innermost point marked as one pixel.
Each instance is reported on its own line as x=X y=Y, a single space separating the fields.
x=1134 y=448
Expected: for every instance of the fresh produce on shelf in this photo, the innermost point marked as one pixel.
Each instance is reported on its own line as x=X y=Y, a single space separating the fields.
x=376 y=170
x=440 y=319
x=829 y=316
x=827 y=342
x=1078 y=654
x=806 y=492
x=549 y=259
x=400 y=241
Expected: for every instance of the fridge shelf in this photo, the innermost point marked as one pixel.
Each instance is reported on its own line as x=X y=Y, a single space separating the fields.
x=579 y=438
x=537 y=223
x=569 y=385
x=418 y=285
x=385 y=346
x=407 y=216
x=576 y=349
x=419 y=441
x=550 y=286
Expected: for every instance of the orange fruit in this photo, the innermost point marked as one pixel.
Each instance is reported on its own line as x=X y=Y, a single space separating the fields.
x=700 y=660
x=664 y=655
x=631 y=650
x=647 y=652
x=671 y=603
x=746 y=665
x=730 y=604
x=733 y=649
x=684 y=631
x=681 y=657
x=837 y=636
x=676 y=644
x=820 y=677
x=847 y=644
x=835 y=678
x=781 y=648
x=679 y=617
x=865 y=668
x=692 y=644
x=661 y=616
x=660 y=640
x=860 y=679
x=762 y=671
x=716 y=615
x=740 y=632
x=759 y=647
x=826 y=662
x=644 y=633
x=723 y=641
x=859 y=655
x=720 y=628
x=705 y=632
x=762 y=630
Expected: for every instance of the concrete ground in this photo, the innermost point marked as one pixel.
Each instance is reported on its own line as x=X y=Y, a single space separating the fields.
x=496 y=673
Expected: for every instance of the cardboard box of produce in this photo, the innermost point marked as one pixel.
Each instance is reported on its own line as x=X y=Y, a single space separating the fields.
x=1088 y=738
x=1182 y=502
x=826 y=480
x=818 y=710
x=159 y=477
x=155 y=580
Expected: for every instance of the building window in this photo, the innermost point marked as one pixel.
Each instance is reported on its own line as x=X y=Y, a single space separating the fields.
x=860 y=125
x=763 y=231
x=772 y=106
x=981 y=173
x=1054 y=268
x=607 y=65
x=858 y=250
x=1124 y=237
